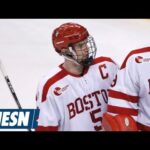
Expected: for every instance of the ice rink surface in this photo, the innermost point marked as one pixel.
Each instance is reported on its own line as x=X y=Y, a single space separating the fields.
x=27 y=53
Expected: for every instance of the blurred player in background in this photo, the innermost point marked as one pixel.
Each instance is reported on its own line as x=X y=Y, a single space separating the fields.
x=129 y=99
x=73 y=96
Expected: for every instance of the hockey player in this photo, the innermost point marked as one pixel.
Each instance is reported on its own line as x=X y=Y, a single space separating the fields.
x=129 y=99
x=73 y=96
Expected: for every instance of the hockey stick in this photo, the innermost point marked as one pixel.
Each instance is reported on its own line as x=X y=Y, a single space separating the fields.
x=10 y=87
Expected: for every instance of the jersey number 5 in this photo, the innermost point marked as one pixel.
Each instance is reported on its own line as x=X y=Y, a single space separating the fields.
x=96 y=119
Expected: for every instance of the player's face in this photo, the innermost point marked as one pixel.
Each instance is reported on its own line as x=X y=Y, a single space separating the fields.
x=82 y=50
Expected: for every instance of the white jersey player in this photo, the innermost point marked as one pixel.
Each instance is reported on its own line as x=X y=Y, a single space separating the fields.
x=73 y=96
x=129 y=99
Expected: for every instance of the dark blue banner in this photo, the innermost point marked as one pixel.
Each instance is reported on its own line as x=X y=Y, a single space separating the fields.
x=18 y=118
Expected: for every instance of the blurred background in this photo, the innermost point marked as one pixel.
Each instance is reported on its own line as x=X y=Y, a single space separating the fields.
x=27 y=53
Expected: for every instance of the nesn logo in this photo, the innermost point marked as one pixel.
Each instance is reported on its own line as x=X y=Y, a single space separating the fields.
x=18 y=118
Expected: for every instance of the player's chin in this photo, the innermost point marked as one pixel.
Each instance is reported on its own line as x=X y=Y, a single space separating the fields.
x=84 y=58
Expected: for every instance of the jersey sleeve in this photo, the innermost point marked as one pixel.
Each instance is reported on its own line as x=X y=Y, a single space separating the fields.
x=49 y=115
x=123 y=96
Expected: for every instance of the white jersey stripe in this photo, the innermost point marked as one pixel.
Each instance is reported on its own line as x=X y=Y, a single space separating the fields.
x=122 y=103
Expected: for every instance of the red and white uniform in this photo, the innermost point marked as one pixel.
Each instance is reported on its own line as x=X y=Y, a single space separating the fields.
x=69 y=102
x=131 y=94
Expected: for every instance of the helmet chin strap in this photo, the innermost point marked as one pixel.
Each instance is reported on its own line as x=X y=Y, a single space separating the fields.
x=84 y=63
x=70 y=56
x=71 y=59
